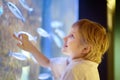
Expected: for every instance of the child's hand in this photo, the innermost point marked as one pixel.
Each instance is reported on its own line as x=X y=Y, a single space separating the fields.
x=23 y=42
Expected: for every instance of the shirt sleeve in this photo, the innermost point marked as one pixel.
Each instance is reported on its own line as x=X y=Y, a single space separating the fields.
x=57 y=66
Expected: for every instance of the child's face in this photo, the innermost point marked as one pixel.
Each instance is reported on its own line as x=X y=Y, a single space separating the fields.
x=73 y=45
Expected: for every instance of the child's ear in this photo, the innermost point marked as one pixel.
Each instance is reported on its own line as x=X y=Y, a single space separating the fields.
x=86 y=49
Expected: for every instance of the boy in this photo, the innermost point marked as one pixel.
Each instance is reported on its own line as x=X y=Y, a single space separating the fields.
x=85 y=45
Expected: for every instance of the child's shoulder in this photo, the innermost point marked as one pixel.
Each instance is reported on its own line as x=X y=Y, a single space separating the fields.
x=84 y=65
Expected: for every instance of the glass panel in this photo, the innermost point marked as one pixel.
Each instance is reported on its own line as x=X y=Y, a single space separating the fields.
x=46 y=22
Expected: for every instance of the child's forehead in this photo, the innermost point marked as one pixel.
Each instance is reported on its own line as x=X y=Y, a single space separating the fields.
x=74 y=30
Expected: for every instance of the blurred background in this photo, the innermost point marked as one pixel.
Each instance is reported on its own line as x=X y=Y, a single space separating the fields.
x=47 y=22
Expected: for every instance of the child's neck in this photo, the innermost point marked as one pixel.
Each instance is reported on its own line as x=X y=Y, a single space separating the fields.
x=73 y=59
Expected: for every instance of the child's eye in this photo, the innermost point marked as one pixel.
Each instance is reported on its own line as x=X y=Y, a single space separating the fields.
x=72 y=36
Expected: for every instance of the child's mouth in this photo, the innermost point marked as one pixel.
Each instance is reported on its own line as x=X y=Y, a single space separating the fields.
x=65 y=45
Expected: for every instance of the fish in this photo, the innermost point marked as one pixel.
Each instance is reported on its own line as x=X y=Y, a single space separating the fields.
x=1 y=10
x=15 y=11
x=24 y=4
x=30 y=37
x=44 y=76
x=29 y=56
x=57 y=40
x=60 y=33
x=22 y=56
x=56 y=24
x=42 y=32
x=17 y=55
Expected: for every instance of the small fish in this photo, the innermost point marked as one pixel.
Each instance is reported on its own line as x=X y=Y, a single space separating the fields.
x=30 y=37
x=18 y=55
x=57 y=40
x=1 y=10
x=15 y=11
x=56 y=24
x=42 y=32
x=44 y=76
x=24 y=4
x=60 y=33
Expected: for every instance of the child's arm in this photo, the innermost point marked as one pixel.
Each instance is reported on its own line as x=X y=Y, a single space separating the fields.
x=25 y=44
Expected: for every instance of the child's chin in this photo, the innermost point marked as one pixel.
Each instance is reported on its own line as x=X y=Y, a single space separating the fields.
x=64 y=51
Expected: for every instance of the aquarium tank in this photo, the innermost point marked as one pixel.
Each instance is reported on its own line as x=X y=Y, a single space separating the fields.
x=46 y=22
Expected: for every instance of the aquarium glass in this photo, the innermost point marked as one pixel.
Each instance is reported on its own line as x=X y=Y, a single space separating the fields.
x=46 y=22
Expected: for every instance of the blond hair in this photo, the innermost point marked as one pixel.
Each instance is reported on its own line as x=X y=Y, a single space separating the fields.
x=95 y=35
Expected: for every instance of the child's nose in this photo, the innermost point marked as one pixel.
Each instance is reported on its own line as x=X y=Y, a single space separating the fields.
x=65 y=38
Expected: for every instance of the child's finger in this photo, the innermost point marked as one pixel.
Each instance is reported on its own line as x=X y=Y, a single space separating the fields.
x=20 y=45
x=16 y=37
x=23 y=36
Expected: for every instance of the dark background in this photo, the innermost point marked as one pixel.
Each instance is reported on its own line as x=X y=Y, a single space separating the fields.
x=96 y=10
